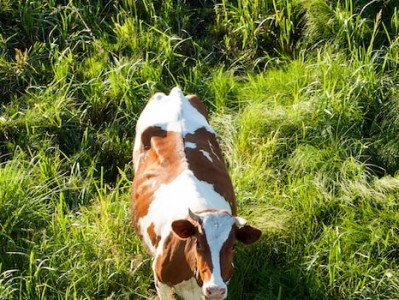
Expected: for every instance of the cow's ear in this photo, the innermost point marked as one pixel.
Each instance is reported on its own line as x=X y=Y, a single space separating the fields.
x=248 y=234
x=183 y=228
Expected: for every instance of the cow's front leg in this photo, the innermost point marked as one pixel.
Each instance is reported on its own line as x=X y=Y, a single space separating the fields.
x=165 y=292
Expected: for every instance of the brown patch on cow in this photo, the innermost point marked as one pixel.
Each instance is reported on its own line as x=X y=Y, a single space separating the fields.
x=204 y=259
x=177 y=261
x=199 y=105
x=149 y=133
x=182 y=259
x=213 y=172
x=153 y=236
x=160 y=160
x=226 y=257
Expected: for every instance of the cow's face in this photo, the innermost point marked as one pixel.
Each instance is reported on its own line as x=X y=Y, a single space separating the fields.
x=215 y=234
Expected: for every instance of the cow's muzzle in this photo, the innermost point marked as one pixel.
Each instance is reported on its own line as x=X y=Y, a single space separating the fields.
x=215 y=293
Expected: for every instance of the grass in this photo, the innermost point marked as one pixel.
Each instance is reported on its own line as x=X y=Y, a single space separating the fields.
x=303 y=95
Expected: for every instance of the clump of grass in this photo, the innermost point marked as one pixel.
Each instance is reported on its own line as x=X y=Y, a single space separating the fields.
x=48 y=243
x=25 y=207
x=106 y=261
x=303 y=144
x=351 y=25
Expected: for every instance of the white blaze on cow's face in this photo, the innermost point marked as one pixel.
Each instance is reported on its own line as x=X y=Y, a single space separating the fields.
x=216 y=233
x=217 y=228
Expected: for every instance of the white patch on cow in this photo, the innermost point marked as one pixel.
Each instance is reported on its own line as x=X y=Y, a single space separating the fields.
x=172 y=113
x=240 y=221
x=172 y=201
x=189 y=290
x=190 y=145
x=217 y=228
x=207 y=155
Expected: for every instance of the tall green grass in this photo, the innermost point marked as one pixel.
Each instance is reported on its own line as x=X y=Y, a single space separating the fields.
x=311 y=161
x=303 y=95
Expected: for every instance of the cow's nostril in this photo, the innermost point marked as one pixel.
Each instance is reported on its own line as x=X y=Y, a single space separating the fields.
x=215 y=292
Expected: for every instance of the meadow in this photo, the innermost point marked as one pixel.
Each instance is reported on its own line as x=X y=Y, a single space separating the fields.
x=304 y=95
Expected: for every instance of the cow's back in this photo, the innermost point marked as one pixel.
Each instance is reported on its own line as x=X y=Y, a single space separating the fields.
x=178 y=165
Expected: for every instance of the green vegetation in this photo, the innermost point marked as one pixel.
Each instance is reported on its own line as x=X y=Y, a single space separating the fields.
x=304 y=95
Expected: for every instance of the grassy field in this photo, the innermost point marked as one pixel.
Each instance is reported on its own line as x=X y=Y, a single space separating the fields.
x=303 y=93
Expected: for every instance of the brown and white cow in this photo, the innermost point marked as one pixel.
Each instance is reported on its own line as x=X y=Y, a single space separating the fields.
x=183 y=204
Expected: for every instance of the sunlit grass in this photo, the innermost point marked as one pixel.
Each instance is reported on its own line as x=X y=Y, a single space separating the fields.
x=303 y=95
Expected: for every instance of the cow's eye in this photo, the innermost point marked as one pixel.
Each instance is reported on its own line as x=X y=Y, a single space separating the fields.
x=199 y=246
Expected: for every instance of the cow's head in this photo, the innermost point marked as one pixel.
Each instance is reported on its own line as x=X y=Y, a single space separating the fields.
x=215 y=234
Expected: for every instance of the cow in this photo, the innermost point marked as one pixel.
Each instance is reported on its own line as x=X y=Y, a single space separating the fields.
x=183 y=206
